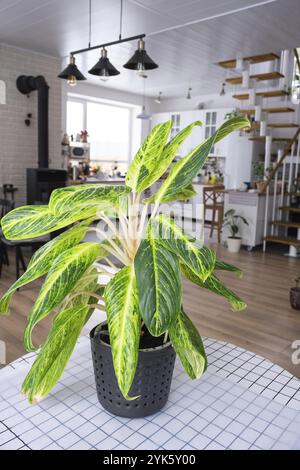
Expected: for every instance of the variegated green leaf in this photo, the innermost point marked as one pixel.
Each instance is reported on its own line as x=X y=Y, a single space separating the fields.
x=159 y=166
x=182 y=195
x=201 y=260
x=188 y=345
x=87 y=196
x=213 y=284
x=62 y=277
x=145 y=165
x=59 y=345
x=42 y=259
x=124 y=323
x=33 y=221
x=159 y=284
x=222 y=266
x=186 y=169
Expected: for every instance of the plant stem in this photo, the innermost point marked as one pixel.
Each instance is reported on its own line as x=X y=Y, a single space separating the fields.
x=111 y=264
x=97 y=307
x=166 y=337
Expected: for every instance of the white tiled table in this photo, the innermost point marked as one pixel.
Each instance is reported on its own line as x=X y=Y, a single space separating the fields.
x=242 y=402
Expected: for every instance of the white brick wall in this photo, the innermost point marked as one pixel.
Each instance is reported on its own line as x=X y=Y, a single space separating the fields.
x=18 y=143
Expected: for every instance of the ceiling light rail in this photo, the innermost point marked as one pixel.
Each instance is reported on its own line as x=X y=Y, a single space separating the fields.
x=108 y=44
x=140 y=61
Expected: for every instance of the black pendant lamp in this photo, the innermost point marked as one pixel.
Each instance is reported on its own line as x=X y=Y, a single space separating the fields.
x=140 y=61
x=104 y=68
x=71 y=73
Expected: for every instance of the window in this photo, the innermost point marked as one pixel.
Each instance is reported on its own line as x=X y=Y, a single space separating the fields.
x=75 y=117
x=113 y=130
x=210 y=126
x=109 y=128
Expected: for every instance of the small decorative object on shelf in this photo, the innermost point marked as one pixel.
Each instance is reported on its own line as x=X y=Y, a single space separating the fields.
x=84 y=137
x=232 y=221
x=295 y=295
x=134 y=351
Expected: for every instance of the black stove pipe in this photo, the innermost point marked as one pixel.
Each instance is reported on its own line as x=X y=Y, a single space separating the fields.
x=26 y=84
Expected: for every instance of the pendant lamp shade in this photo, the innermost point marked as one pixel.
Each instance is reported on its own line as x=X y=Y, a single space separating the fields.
x=144 y=114
x=104 y=67
x=71 y=72
x=140 y=60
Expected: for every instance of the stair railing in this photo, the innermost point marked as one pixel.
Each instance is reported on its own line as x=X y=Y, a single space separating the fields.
x=279 y=199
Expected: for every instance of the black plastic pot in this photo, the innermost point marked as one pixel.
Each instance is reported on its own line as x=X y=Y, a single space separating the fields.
x=152 y=380
x=295 y=298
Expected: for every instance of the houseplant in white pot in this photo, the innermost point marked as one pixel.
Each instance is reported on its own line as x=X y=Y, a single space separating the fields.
x=232 y=221
x=134 y=351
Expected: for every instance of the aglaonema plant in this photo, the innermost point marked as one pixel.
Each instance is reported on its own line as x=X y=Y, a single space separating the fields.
x=153 y=250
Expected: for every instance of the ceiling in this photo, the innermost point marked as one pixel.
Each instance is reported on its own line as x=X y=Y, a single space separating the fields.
x=220 y=30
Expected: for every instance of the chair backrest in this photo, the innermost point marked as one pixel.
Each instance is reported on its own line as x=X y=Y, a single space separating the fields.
x=213 y=195
x=6 y=206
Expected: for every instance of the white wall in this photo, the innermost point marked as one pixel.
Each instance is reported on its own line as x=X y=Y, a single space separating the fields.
x=182 y=104
x=18 y=142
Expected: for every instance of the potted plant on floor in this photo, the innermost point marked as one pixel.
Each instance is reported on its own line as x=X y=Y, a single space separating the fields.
x=232 y=220
x=134 y=351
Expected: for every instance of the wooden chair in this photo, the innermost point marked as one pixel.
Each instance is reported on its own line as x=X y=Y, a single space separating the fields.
x=213 y=199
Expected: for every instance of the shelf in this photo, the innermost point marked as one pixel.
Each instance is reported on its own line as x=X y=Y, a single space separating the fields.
x=263 y=94
x=260 y=77
x=256 y=59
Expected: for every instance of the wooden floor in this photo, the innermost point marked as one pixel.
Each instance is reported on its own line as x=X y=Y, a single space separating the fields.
x=268 y=327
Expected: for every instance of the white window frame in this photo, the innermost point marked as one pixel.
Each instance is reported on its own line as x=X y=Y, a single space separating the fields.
x=132 y=115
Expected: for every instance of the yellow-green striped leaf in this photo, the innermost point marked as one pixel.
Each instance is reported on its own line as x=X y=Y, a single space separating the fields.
x=62 y=277
x=121 y=301
x=188 y=345
x=186 y=169
x=59 y=345
x=87 y=196
x=182 y=195
x=159 y=284
x=159 y=166
x=145 y=165
x=43 y=258
x=222 y=266
x=34 y=221
x=201 y=260
x=213 y=284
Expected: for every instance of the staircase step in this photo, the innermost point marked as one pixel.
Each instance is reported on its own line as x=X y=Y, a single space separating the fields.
x=281 y=223
x=283 y=125
x=255 y=59
x=283 y=240
x=275 y=139
x=295 y=210
x=263 y=94
x=269 y=110
x=260 y=77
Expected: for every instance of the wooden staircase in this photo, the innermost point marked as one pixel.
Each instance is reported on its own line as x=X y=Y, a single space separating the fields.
x=282 y=129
